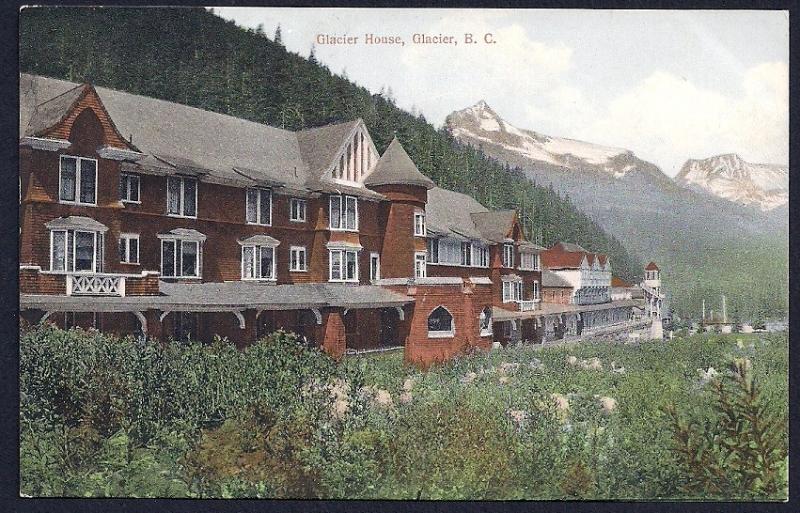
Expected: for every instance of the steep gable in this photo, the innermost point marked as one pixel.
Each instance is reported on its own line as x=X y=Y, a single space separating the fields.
x=395 y=167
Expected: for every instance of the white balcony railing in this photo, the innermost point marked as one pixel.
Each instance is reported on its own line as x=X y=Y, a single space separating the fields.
x=95 y=285
x=527 y=306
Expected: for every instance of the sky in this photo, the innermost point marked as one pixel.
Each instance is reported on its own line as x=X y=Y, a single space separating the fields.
x=668 y=85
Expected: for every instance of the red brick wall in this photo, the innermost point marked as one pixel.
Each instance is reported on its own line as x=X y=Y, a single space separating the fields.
x=399 y=242
x=559 y=295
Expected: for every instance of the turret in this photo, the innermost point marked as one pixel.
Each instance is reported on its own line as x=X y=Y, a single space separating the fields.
x=652 y=276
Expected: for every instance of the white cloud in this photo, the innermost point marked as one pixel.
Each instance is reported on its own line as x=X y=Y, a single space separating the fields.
x=668 y=119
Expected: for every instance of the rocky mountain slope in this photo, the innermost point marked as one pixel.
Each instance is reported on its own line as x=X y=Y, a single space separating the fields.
x=731 y=177
x=682 y=228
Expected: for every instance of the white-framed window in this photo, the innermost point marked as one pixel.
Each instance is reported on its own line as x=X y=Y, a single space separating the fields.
x=258 y=262
x=343 y=265
x=440 y=323
x=343 y=213
x=182 y=196
x=258 y=206
x=77 y=180
x=297 y=210
x=449 y=251
x=480 y=255
x=180 y=258
x=374 y=266
x=508 y=255
x=129 y=248
x=537 y=294
x=512 y=291
x=76 y=251
x=529 y=261
x=297 y=259
x=433 y=250
x=485 y=321
x=419 y=224
x=420 y=268
x=466 y=253
x=129 y=188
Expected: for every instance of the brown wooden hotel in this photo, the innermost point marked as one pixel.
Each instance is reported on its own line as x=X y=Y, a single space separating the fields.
x=148 y=217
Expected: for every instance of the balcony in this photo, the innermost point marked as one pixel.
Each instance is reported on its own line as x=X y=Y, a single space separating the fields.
x=95 y=285
x=527 y=306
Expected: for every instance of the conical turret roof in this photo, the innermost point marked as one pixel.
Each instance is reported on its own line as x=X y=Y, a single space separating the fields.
x=395 y=167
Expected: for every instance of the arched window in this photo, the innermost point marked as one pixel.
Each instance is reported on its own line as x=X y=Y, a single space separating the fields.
x=485 y=321
x=440 y=323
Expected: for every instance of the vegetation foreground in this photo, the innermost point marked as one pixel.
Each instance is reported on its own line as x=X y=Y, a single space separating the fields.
x=698 y=417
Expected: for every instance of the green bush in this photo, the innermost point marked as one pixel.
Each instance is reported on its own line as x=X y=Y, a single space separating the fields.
x=105 y=416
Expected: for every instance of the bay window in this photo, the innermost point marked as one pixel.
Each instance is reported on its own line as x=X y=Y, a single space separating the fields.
x=343 y=213
x=182 y=196
x=480 y=255
x=258 y=263
x=343 y=265
x=259 y=206
x=76 y=251
x=180 y=258
x=466 y=253
x=77 y=179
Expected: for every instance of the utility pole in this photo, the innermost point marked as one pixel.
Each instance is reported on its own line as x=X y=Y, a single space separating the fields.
x=724 y=310
x=704 y=311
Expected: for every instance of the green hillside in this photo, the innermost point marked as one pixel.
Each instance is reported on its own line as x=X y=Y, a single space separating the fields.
x=193 y=57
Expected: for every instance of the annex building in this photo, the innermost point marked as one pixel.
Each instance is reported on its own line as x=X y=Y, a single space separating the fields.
x=146 y=217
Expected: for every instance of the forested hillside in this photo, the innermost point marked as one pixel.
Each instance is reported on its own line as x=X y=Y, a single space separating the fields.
x=193 y=57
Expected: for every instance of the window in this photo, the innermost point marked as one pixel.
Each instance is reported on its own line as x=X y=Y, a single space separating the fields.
x=129 y=188
x=297 y=259
x=529 y=261
x=77 y=180
x=259 y=206
x=440 y=323
x=508 y=255
x=449 y=252
x=343 y=213
x=480 y=255
x=420 y=270
x=76 y=251
x=129 y=248
x=181 y=196
x=343 y=265
x=485 y=321
x=419 y=224
x=466 y=253
x=297 y=210
x=258 y=262
x=512 y=291
x=433 y=250
x=536 y=291
x=180 y=258
x=374 y=266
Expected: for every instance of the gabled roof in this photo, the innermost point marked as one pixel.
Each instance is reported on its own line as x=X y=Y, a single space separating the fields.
x=76 y=223
x=395 y=167
x=551 y=279
x=620 y=283
x=495 y=225
x=651 y=267
x=570 y=247
x=561 y=260
x=52 y=111
x=179 y=138
x=320 y=145
x=448 y=213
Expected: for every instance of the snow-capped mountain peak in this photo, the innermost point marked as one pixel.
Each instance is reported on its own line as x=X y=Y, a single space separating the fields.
x=481 y=124
x=731 y=177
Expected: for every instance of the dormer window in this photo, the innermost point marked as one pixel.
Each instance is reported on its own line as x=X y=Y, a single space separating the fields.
x=259 y=206
x=344 y=213
x=77 y=179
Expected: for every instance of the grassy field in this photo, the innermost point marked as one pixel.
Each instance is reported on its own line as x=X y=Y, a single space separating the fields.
x=108 y=417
